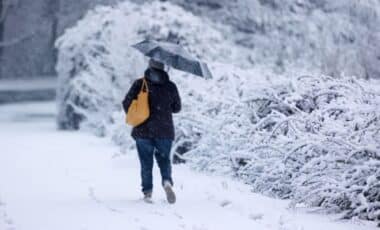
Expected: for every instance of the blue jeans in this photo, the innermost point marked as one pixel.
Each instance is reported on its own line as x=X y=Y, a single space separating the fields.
x=160 y=148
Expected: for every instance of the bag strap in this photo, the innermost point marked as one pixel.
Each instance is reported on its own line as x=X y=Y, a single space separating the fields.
x=144 y=83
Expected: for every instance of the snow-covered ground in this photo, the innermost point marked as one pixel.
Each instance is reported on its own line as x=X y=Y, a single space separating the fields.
x=55 y=180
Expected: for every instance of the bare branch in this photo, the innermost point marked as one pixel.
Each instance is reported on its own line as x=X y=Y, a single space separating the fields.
x=24 y=36
x=15 y=41
x=7 y=4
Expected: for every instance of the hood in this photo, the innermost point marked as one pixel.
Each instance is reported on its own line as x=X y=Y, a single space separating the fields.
x=156 y=64
x=156 y=76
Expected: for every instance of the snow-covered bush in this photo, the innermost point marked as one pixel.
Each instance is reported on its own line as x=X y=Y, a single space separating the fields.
x=96 y=63
x=314 y=139
x=340 y=36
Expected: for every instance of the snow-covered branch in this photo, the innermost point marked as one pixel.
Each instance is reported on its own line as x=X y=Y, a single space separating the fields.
x=311 y=138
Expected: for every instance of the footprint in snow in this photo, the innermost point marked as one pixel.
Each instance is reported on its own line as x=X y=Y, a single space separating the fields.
x=178 y=216
x=199 y=227
x=4 y=217
x=225 y=203
x=210 y=196
x=158 y=213
x=91 y=194
x=8 y=221
x=284 y=223
x=225 y=185
x=256 y=216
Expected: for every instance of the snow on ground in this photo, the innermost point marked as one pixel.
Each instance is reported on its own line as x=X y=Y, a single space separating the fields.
x=53 y=179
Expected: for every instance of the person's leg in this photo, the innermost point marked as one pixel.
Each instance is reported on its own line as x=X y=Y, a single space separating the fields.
x=145 y=149
x=163 y=147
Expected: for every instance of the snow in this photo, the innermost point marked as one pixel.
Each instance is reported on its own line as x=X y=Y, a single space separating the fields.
x=53 y=179
x=285 y=135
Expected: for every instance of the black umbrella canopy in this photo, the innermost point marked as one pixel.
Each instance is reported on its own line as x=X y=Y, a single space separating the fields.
x=173 y=55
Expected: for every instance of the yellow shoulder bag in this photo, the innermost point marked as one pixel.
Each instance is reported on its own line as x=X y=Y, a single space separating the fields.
x=138 y=111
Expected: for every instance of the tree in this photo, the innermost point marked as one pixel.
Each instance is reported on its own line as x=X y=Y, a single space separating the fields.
x=52 y=16
x=1 y=31
x=5 y=6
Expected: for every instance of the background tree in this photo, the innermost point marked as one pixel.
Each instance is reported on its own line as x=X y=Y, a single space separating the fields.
x=54 y=8
x=2 y=17
x=52 y=17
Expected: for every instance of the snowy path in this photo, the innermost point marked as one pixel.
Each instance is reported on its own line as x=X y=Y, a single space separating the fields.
x=51 y=180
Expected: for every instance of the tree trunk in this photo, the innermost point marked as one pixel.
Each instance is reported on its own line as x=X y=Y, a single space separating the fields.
x=1 y=37
x=54 y=8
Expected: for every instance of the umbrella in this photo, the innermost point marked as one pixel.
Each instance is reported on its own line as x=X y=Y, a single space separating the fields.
x=173 y=55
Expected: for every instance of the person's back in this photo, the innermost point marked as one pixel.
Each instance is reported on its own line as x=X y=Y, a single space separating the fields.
x=163 y=101
x=155 y=135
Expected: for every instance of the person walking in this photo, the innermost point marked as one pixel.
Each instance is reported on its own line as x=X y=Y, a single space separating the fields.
x=155 y=135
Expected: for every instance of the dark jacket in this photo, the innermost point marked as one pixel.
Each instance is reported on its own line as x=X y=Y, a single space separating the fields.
x=163 y=99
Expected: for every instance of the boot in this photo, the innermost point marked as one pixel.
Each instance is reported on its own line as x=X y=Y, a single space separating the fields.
x=170 y=195
x=148 y=197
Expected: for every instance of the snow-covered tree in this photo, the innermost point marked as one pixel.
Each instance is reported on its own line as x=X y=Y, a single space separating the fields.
x=312 y=138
